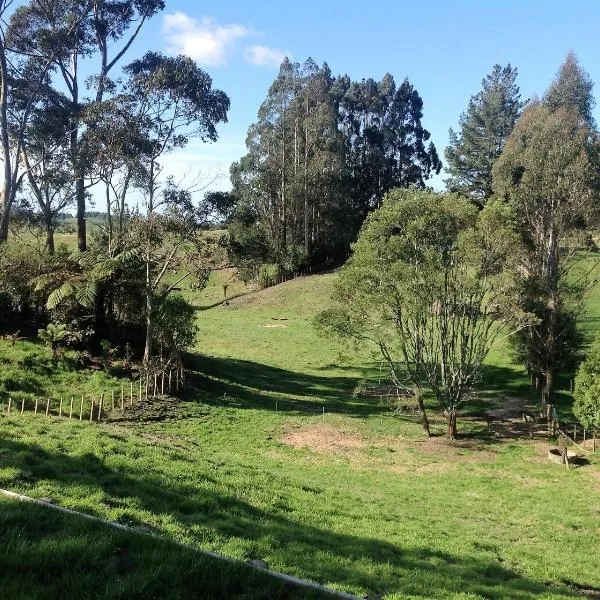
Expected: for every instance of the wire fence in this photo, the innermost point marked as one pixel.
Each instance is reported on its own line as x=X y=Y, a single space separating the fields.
x=96 y=407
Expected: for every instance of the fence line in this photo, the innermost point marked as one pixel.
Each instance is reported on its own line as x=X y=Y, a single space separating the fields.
x=172 y=381
x=303 y=272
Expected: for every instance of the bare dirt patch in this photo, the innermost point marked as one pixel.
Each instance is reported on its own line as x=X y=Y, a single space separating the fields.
x=460 y=451
x=323 y=438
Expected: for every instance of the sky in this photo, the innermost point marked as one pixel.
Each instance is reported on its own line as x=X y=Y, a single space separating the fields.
x=445 y=48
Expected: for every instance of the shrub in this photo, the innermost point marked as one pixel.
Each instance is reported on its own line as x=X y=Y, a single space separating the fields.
x=268 y=275
x=587 y=389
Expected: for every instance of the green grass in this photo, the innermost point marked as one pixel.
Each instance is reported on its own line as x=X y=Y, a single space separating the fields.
x=28 y=371
x=356 y=499
x=47 y=555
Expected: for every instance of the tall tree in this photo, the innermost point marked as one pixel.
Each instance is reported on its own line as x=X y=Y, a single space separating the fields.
x=548 y=173
x=385 y=141
x=66 y=32
x=175 y=102
x=572 y=88
x=484 y=128
x=322 y=154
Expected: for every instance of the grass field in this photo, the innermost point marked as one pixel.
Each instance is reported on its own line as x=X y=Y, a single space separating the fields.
x=250 y=466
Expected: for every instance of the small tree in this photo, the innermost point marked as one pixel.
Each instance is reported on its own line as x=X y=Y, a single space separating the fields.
x=430 y=285
x=587 y=390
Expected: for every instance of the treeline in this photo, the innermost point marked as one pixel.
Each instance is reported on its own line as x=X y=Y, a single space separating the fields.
x=435 y=279
x=321 y=156
x=66 y=129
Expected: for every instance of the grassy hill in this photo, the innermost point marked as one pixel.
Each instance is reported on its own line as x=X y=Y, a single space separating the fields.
x=249 y=465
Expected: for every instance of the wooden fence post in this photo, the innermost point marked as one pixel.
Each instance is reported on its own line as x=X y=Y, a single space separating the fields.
x=36 y=407
x=122 y=397
x=112 y=400
x=92 y=409
x=162 y=384
x=170 y=373
x=9 y=403
x=22 y=405
x=60 y=407
x=47 y=406
x=147 y=384
x=81 y=409
x=71 y=409
x=154 y=390
x=100 y=407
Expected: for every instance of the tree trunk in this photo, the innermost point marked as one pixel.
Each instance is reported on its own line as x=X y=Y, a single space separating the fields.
x=149 y=319
x=424 y=419
x=5 y=200
x=50 y=238
x=4 y=219
x=81 y=226
x=451 y=424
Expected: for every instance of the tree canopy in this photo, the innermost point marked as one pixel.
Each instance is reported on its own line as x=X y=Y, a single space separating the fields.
x=430 y=284
x=484 y=128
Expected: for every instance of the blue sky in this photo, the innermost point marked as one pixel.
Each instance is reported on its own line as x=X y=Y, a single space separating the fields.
x=444 y=48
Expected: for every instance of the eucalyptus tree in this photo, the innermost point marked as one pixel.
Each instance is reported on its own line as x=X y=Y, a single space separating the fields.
x=67 y=33
x=484 y=127
x=175 y=101
x=322 y=154
x=45 y=161
x=386 y=143
x=430 y=284
x=572 y=89
x=548 y=173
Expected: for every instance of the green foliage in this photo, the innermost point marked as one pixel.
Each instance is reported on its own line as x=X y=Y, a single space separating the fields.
x=430 y=284
x=484 y=128
x=572 y=89
x=56 y=335
x=322 y=154
x=547 y=174
x=175 y=327
x=586 y=407
x=18 y=301
x=268 y=275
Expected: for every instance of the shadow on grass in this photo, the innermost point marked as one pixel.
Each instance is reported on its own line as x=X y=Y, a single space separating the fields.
x=256 y=385
x=326 y=556
x=64 y=556
x=224 y=301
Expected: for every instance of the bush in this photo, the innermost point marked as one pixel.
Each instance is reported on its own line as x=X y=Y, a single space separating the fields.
x=587 y=389
x=268 y=275
x=20 y=305
x=175 y=327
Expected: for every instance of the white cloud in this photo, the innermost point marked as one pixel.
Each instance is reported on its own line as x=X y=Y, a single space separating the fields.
x=263 y=56
x=204 y=40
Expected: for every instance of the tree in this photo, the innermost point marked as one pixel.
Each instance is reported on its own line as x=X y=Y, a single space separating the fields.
x=45 y=160
x=385 y=141
x=484 y=127
x=175 y=101
x=322 y=154
x=572 y=89
x=547 y=173
x=587 y=390
x=67 y=32
x=430 y=285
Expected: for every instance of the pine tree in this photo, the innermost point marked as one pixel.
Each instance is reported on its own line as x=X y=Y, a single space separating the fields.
x=484 y=128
